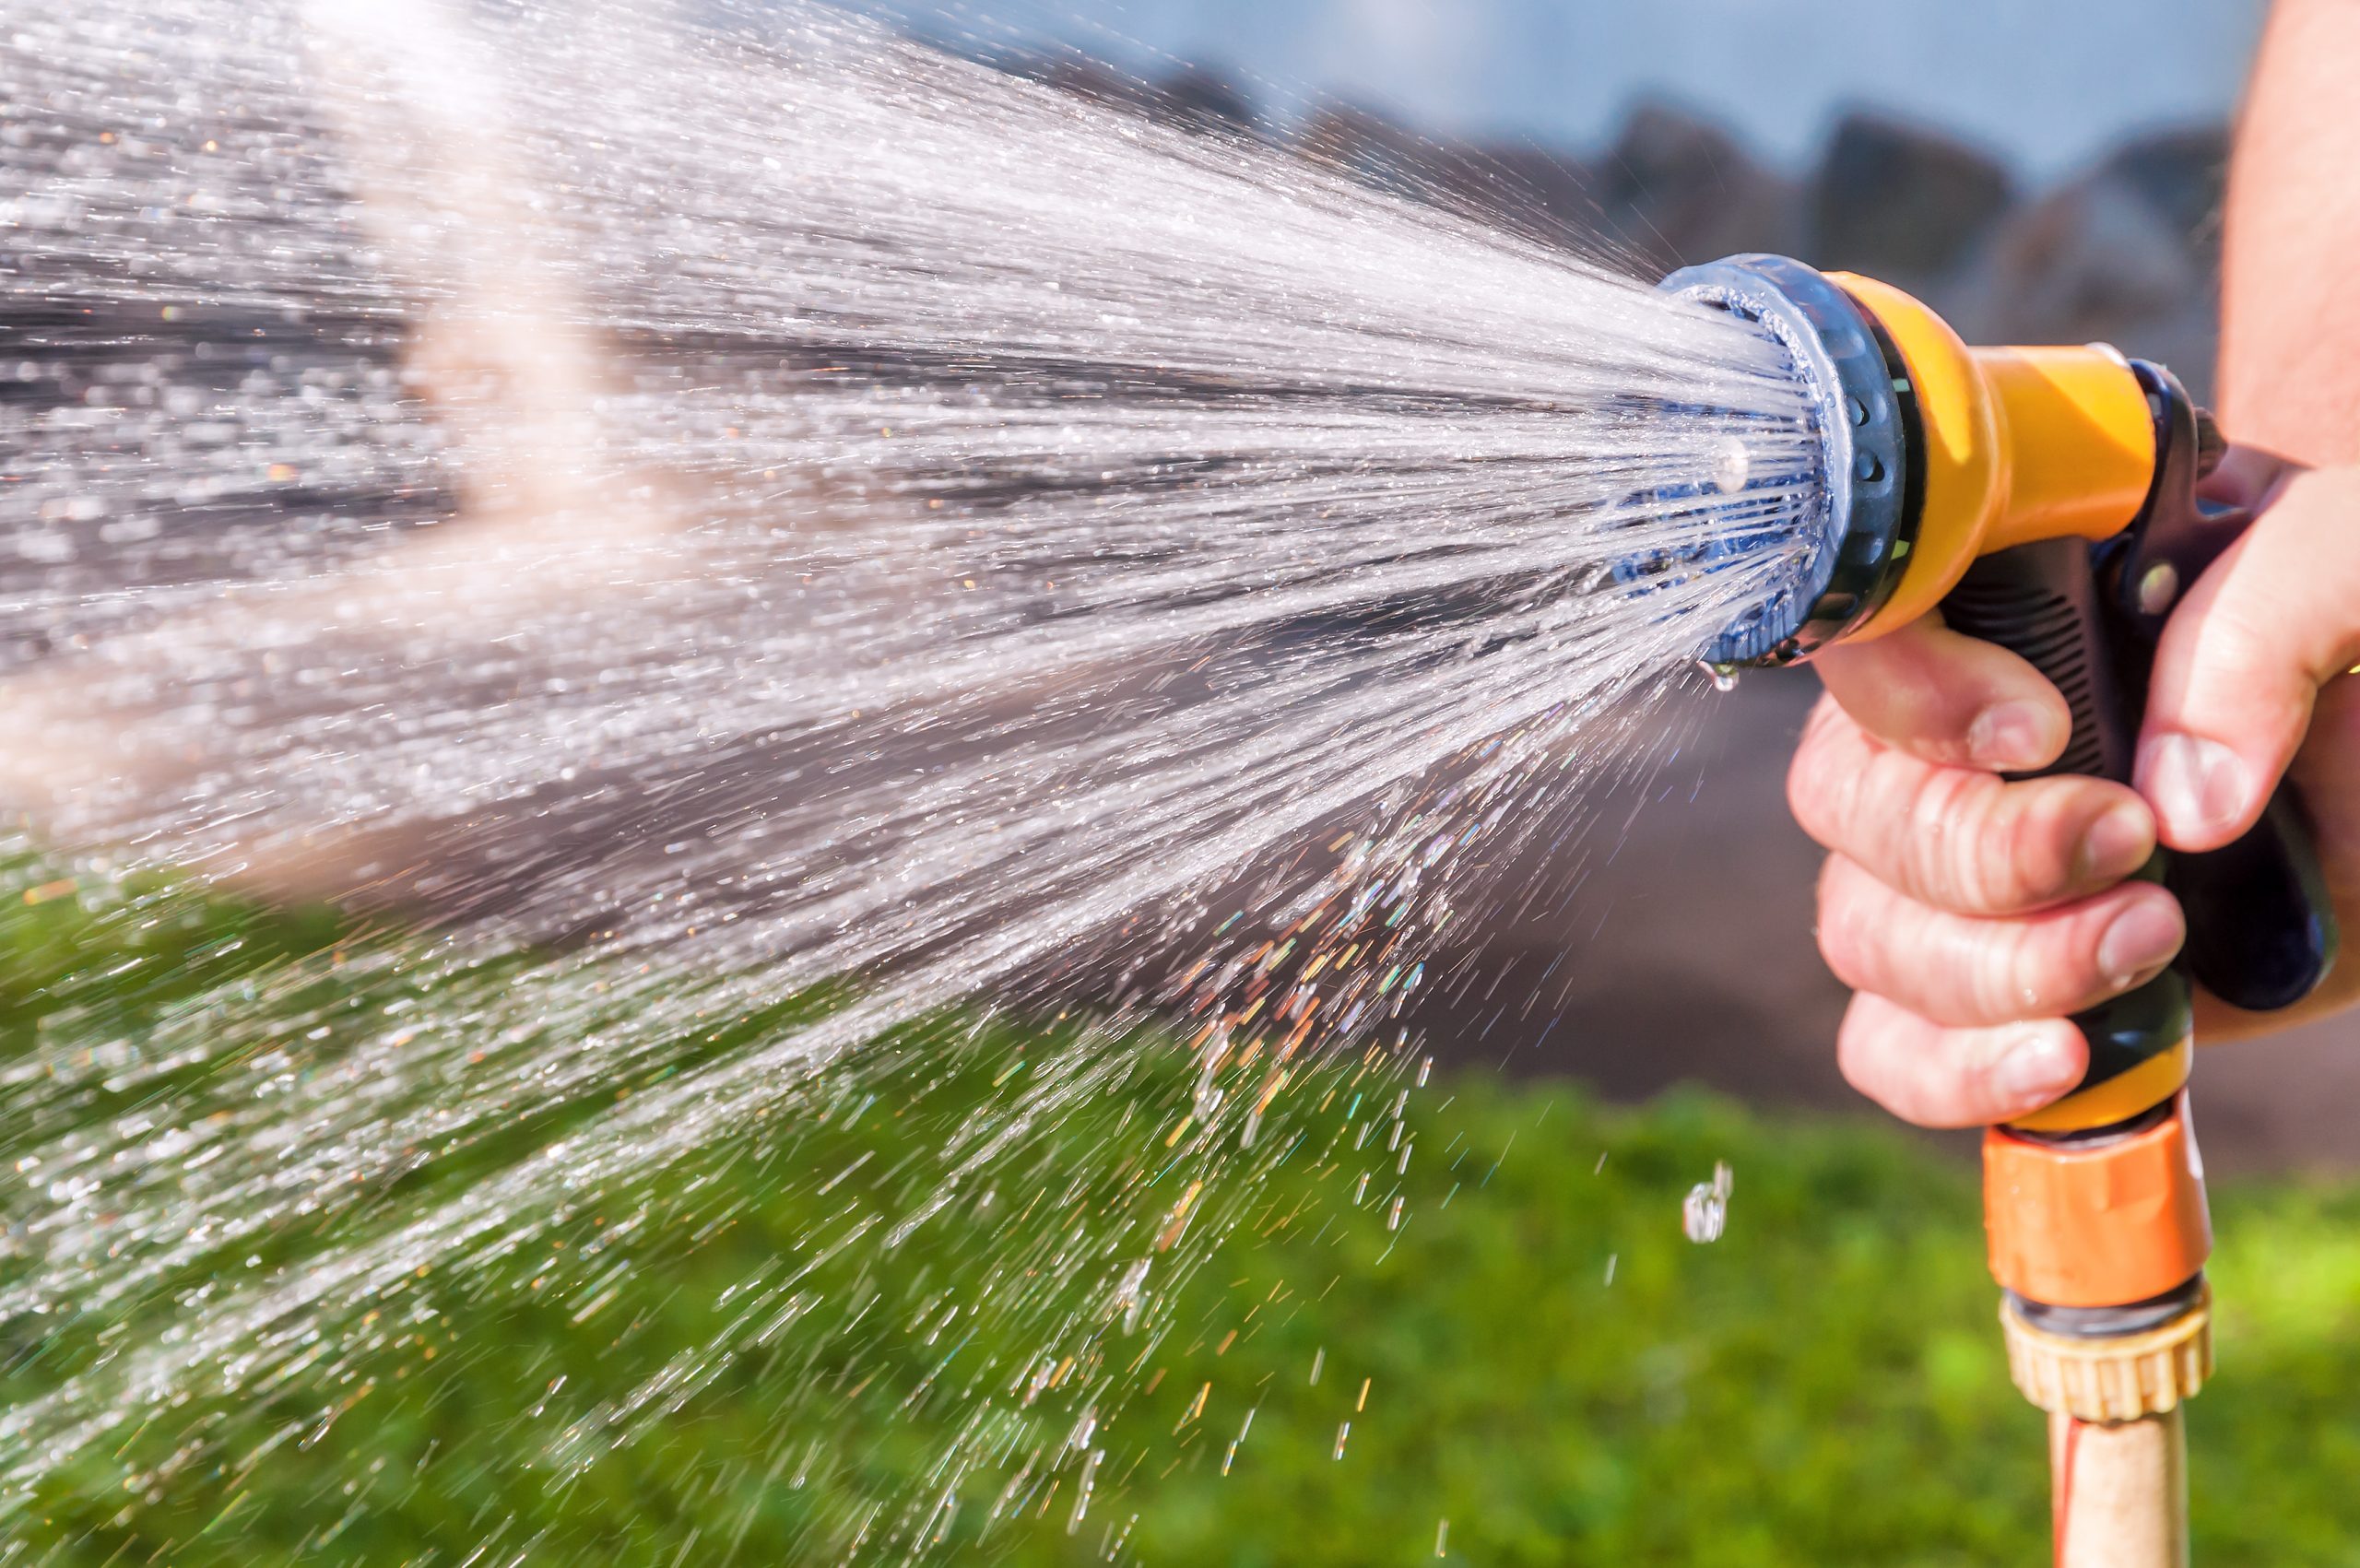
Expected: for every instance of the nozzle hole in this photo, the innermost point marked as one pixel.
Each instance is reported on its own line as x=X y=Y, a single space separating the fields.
x=1868 y=466
x=1858 y=410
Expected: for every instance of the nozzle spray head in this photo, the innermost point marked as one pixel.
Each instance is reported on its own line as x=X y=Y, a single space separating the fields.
x=1865 y=417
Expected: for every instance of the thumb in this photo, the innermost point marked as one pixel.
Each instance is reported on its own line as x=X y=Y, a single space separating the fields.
x=2243 y=657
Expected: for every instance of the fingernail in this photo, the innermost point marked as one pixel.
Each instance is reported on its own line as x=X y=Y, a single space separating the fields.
x=2009 y=734
x=2117 y=845
x=2197 y=785
x=2143 y=938
x=2036 y=1069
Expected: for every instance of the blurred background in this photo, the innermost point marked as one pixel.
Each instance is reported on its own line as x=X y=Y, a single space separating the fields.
x=2039 y=174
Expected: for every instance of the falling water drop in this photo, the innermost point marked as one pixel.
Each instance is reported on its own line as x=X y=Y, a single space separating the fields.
x=1246 y=1426
x=1131 y=1295
x=1082 y=1488
x=1706 y=1210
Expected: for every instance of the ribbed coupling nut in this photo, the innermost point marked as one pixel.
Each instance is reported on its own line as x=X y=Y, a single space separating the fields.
x=2113 y=1377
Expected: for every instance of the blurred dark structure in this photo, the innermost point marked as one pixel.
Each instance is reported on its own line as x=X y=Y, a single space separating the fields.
x=1675 y=189
x=1902 y=203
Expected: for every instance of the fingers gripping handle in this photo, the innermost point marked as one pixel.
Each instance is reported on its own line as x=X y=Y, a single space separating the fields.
x=2261 y=931
x=2040 y=601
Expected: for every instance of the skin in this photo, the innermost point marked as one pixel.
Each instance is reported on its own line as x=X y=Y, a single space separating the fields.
x=1971 y=914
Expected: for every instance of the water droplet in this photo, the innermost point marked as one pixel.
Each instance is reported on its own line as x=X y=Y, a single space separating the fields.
x=1706 y=1210
x=1343 y=1431
x=1083 y=1490
x=1131 y=1295
x=1243 y=1427
x=1442 y=1538
x=1208 y=1097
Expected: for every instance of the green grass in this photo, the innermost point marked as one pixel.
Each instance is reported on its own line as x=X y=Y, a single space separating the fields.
x=1821 y=1387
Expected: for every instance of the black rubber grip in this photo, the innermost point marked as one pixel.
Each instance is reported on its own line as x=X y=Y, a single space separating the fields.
x=2261 y=931
x=2040 y=601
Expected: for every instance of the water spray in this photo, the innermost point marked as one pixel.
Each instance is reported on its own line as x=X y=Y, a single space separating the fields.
x=2045 y=499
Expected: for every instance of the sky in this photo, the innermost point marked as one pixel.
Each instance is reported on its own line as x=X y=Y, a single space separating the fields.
x=2047 y=84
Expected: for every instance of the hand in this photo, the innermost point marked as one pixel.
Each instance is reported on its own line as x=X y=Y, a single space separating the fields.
x=1971 y=915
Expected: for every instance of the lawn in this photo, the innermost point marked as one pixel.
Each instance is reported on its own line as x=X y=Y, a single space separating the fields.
x=1536 y=1367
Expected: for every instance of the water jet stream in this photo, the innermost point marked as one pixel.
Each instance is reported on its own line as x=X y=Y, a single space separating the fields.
x=743 y=538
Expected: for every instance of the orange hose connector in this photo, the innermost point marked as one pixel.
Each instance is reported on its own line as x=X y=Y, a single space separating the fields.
x=2096 y=1225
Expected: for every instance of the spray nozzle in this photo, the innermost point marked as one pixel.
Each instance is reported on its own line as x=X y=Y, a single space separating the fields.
x=1862 y=414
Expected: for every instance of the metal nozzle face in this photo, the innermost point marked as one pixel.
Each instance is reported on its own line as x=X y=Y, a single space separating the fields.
x=1867 y=425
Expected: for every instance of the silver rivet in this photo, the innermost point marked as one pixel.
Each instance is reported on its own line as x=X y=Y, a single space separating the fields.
x=2158 y=588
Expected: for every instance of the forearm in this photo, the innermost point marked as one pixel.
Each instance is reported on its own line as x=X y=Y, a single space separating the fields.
x=2290 y=329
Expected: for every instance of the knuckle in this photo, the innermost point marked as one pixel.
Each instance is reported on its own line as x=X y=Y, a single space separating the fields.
x=1976 y=846
x=1807 y=787
x=1879 y=1054
x=2035 y=972
x=2043 y=827
x=1911 y=712
x=1822 y=779
x=2234 y=641
x=2234 y=649
x=1942 y=851
x=1839 y=922
x=1861 y=1046
x=2018 y=853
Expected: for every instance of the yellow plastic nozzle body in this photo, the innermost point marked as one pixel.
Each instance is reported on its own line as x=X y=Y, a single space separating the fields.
x=2018 y=444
